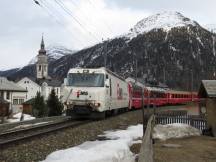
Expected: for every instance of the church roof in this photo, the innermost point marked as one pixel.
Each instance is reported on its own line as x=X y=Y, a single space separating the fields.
x=50 y=82
x=42 y=49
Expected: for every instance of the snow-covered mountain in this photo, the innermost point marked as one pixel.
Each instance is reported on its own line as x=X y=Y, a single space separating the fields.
x=211 y=27
x=54 y=53
x=164 y=20
x=165 y=45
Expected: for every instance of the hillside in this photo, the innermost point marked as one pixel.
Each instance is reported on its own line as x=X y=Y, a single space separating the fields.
x=167 y=46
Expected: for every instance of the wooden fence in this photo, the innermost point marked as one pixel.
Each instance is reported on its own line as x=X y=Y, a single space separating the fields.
x=146 y=151
x=172 y=113
x=195 y=121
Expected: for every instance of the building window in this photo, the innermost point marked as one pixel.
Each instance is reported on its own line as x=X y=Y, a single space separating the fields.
x=45 y=68
x=8 y=95
x=2 y=94
x=15 y=101
x=39 y=67
x=21 y=101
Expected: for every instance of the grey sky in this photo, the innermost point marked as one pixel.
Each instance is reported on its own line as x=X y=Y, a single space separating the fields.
x=23 y=22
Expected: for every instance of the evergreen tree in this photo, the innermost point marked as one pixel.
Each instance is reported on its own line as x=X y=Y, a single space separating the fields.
x=39 y=106
x=54 y=105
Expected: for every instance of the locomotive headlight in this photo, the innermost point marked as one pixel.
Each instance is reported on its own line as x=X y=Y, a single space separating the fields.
x=203 y=110
x=97 y=104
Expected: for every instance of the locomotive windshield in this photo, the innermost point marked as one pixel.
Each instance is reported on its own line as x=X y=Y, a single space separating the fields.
x=86 y=80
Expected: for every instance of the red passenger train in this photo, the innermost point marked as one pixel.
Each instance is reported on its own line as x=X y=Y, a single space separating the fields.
x=158 y=96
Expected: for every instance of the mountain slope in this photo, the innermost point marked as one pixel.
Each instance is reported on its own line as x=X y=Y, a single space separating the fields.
x=165 y=20
x=167 y=47
x=54 y=53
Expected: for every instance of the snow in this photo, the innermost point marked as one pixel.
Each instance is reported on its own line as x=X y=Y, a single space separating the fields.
x=210 y=27
x=164 y=20
x=54 y=53
x=175 y=130
x=16 y=117
x=115 y=149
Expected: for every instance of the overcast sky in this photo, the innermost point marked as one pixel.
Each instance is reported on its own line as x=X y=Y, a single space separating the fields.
x=85 y=22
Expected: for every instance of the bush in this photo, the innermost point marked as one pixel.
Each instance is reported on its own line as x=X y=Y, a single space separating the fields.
x=55 y=107
x=39 y=106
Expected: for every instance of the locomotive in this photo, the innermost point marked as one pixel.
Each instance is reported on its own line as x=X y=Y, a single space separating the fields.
x=94 y=92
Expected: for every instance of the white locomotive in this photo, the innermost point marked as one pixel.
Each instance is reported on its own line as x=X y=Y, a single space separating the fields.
x=94 y=92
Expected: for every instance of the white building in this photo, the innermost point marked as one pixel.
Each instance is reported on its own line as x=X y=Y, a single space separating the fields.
x=30 y=86
x=42 y=82
x=13 y=94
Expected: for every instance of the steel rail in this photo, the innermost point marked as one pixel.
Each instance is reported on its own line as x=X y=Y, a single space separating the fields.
x=32 y=133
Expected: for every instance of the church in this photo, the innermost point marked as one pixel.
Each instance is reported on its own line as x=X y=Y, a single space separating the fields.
x=42 y=82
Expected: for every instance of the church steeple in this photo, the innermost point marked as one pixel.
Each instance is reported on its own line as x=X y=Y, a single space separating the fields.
x=42 y=63
x=42 y=50
x=42 y=43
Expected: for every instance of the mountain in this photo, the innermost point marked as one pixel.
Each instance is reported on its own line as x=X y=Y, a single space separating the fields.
x=167 y=47
x=165 y=20
x=54 y=53
x=211 y=27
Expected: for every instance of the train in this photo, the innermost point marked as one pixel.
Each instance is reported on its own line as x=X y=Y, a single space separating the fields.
x=155 y=96
x=96 y=92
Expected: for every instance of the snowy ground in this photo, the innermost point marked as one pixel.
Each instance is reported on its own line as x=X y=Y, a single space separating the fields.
x=175 y=130
x=115 y=148
x=115 y=145
x=16 y=118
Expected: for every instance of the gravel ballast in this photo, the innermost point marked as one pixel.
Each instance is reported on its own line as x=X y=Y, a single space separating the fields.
x=38 y=148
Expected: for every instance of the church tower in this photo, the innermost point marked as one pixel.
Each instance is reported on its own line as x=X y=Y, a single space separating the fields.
x=42 y=63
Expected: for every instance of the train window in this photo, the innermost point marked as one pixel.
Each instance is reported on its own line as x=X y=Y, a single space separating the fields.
x=86 y=80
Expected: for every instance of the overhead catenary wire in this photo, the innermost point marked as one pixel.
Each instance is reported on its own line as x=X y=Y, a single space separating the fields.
x=87 y=19
x=75 y=19
x=47 y=10
x=105 y=23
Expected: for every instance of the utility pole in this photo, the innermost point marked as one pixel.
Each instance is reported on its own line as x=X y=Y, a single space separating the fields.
x=136 y=68
x=164 y=76
x=105 y=53
x=143 y=113
x=192 y=84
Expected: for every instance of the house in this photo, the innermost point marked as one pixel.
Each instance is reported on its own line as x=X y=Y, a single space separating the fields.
x=13 y=94
x=30 y=86
x=207 y=93
x=4 y=109
x=42 y=82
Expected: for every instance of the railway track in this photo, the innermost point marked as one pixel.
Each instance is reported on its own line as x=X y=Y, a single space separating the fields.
x=15 y=136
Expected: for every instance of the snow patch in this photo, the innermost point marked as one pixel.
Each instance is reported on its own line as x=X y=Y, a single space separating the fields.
x=165 y=20
x=116 y=149
x=54 y=53
x=16 y=117
x=175 y=130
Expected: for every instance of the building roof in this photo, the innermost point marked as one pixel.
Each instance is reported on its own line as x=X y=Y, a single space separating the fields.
x=7 y=85
x=50 y=82
x=29 y=102
x=207 y=89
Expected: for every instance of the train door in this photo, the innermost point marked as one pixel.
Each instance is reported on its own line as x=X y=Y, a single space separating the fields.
x=108 y=96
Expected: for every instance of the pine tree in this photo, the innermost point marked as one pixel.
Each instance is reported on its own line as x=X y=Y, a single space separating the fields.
x=39 y=106
x=54 y=105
